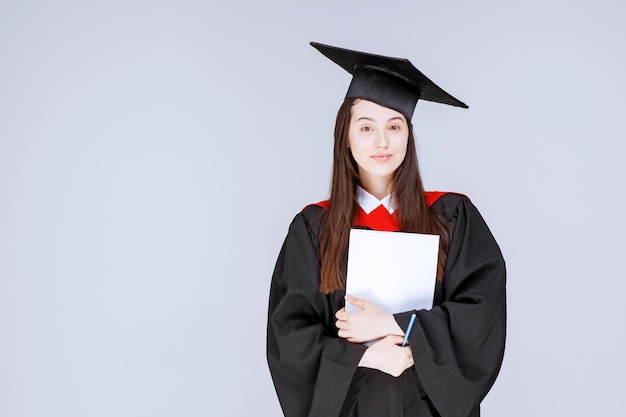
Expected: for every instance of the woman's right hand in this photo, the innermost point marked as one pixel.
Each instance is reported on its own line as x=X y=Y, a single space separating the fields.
x=388 y=356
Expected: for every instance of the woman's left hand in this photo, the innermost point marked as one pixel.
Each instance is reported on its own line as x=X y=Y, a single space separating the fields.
x=369 y=323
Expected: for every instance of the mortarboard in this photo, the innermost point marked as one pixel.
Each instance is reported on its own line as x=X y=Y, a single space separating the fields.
x=390 y=82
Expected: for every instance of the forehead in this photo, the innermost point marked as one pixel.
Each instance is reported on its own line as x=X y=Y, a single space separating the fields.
x=370 y=110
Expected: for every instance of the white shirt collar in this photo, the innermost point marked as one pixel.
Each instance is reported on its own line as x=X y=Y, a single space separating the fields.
x=369 y=203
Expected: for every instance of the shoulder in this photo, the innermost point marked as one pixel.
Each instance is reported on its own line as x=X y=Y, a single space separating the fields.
x=325 y=204
x=433 y=197
x=446 y=203
x=309 y=222
x=464 y=217
x=315 y=212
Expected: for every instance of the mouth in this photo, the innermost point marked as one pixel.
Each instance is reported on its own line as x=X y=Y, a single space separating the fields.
x=382 y=157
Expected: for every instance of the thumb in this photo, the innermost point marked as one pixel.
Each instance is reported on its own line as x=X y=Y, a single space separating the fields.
x=355 y=301
x=395 y=339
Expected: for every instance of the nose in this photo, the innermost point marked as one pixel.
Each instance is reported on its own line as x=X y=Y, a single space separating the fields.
x=381 y=139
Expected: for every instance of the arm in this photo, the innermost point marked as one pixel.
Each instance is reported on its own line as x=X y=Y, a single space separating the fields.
x=458 y=345
x=311 y=367
x=371 y=323
x=367 y=324
x=388 y=356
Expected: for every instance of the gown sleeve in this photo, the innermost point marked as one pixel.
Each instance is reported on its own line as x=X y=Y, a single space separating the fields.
x=311 y=367
x=458 y=345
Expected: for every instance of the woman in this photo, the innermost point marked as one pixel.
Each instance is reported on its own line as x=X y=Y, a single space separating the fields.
x=315 y=349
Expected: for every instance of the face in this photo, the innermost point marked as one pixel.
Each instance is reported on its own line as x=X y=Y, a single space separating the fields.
x=378 y=138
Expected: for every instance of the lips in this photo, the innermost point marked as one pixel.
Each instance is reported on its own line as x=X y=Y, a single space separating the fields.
x=382 y=157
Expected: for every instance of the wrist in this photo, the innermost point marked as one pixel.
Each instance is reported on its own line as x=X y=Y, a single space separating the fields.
x=393 y=327
x=363 y=363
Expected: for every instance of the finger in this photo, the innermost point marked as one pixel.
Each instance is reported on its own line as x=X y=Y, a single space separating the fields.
x=341 y=314
x=341 y=324
x=344 y=333
x=395 y=339
x=355 y=301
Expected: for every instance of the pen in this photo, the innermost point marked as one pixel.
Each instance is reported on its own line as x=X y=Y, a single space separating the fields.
x=408 y=330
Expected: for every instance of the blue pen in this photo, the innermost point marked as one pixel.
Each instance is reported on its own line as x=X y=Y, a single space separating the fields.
x=408 y=330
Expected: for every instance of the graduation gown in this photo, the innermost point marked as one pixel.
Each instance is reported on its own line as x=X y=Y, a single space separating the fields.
x=457 y=345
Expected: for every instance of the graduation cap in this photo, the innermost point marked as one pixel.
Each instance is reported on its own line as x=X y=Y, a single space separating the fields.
x=390 y=82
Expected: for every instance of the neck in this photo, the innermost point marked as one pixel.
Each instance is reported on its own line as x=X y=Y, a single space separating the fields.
x=379 y=188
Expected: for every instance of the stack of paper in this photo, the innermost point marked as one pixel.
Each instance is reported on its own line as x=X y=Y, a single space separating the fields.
x=394 y=270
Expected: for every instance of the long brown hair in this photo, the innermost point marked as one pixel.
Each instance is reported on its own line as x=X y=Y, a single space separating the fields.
x=413 y=212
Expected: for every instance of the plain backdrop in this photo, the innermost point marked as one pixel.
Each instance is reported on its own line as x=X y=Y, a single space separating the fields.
x=153 y=154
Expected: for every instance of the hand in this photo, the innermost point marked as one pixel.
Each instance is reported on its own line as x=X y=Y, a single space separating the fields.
x=388 y=356
x=369 y=323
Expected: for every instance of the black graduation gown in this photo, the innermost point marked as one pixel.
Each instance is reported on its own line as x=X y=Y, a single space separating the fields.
x=457 y=346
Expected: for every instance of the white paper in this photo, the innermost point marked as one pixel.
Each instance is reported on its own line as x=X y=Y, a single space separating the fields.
x=394 y=270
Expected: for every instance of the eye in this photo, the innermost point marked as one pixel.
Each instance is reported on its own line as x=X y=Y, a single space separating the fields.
x=394 y=127
x=366 y=129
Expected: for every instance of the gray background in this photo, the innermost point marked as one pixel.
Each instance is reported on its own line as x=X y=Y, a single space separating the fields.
x=153 y=153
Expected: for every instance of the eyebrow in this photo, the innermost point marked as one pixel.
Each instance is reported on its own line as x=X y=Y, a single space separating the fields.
x=372 y=120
